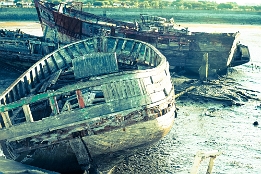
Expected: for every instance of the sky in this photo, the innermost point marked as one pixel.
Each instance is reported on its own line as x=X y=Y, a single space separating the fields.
x=241 y=2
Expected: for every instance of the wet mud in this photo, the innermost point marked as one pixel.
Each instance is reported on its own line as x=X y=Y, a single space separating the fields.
x=213 y=115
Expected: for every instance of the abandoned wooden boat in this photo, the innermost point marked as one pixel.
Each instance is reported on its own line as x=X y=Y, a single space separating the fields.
x=183 y=49
x=20 y=50
x=86 y=101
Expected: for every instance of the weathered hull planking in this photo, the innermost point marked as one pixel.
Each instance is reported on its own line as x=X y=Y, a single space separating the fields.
x=96 y=97
x=20 y=50
x=183 y=49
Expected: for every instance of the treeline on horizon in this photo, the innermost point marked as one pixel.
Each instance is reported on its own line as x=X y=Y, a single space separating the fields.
x=130 y=14
x=155 y=4
x=178 y=4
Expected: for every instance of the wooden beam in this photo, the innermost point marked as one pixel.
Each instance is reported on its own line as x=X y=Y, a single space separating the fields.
x=80 y=151
x=185 y=91
x=54 y=105
x=6 y=119
x=52 y=80
x=200 y=156
x=27 y=113
x=80 y=98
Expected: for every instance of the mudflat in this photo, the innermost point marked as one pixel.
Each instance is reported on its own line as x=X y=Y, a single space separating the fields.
x=9 y=166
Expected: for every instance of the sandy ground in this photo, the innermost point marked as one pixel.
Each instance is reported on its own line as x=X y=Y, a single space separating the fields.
x=30 y=27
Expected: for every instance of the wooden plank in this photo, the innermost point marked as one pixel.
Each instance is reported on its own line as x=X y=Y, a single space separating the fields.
x=95 y=64
x=60 y=60
x=54 y=61
x=123 y=45
x=27 y=113
x=200 y=156
x=47 y=66
x=80 y=98
x=37 y=70
x=157 y=96
x=6 y=119
x=115 y=45
x=52 y=80
x=27 y=84
x=158 y=77
x=80 y=151
x=54 y=105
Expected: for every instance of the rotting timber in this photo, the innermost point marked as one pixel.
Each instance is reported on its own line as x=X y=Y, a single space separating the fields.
x=183 y=49
x=20 y=50
x=90 y=99
x=186 y=50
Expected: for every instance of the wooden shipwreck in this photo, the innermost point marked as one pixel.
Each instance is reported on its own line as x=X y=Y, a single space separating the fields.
x=85 y=102
x=20 y=50
x=183 y=49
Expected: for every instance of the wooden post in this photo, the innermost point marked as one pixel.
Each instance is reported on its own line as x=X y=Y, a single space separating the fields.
x=27 y=113
x=200 y=156
x=6 y=119
x=54 y=105
x=80 y=98
x=211 y=164
x=206 y=58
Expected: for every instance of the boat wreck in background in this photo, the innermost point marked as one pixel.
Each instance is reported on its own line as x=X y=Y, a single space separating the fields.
x=183 y=49
x=85 y=102
x=20 y=50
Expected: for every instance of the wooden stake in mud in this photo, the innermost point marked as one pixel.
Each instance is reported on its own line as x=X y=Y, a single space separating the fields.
x=200 y=156
x=203 y=70
x=206 y=58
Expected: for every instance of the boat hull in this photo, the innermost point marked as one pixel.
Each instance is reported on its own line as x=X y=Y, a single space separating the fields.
x=108 y=96
x=56 y=150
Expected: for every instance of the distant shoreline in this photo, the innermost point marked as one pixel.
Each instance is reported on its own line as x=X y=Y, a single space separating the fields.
x=180 y=16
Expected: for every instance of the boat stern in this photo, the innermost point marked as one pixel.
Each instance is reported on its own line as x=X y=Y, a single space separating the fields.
x=241 y=56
